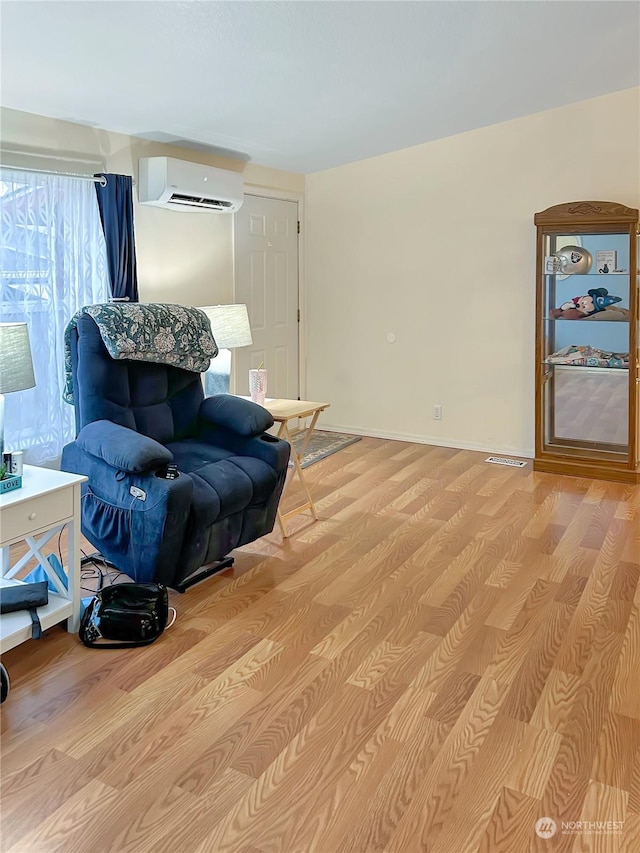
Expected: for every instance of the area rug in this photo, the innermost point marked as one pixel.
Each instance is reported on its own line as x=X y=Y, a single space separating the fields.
x=323 y=444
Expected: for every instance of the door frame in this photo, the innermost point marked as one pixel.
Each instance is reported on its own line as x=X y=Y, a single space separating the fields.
x=298 y=198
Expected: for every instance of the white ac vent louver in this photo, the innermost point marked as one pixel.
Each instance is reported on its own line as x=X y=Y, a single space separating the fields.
x=196 y=201
x=182 y=185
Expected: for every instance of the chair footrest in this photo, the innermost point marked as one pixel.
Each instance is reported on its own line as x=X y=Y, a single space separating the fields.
x=204 y=572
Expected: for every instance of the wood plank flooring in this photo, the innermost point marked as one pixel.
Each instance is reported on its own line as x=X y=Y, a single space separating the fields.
x=449 y=655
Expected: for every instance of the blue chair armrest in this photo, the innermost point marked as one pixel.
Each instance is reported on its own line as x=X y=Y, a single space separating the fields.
x=274 y=451
x=234 y=414
x=122 y=448
x=114 y=516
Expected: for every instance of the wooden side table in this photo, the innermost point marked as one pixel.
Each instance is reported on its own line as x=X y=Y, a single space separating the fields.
x=47 y=501
x=282 y=412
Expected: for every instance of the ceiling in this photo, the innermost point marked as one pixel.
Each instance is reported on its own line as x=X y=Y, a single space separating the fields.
x=305 y=86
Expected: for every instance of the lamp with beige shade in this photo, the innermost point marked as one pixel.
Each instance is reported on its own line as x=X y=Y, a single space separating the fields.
x=16 y=366
x=230 y=328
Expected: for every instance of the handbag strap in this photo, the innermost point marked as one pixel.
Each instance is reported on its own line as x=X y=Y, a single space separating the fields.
x=36 y=627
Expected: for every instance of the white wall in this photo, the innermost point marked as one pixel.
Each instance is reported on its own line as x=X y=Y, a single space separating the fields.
x=182 y=257
x=436 y=245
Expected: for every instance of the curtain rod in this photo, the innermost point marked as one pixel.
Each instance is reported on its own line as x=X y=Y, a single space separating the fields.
x=78 y=177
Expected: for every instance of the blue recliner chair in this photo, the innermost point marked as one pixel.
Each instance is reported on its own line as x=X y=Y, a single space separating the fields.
x=134 y=418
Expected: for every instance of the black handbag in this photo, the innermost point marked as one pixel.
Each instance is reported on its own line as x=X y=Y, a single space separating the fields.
x=26 y=596
x=126 y=615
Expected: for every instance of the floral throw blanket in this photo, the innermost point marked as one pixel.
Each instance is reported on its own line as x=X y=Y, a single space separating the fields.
x=161 y=333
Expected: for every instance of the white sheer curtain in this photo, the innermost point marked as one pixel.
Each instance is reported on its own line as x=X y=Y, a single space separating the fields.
x=52 y=262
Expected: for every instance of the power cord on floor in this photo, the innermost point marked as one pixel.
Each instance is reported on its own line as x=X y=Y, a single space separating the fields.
x=98 y=572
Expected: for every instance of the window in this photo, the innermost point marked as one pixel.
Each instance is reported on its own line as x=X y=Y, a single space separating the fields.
x=52 y=262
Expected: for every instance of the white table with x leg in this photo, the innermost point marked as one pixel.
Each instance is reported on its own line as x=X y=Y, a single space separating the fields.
x=47 y=502
x=282 y=412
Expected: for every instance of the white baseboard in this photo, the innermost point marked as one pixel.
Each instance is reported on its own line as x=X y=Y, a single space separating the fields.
x=427 y=439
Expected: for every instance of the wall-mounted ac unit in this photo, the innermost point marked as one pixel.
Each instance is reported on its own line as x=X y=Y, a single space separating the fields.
x=182 y=185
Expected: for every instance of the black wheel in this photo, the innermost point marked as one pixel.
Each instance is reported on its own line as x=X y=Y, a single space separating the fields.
x=4 y=683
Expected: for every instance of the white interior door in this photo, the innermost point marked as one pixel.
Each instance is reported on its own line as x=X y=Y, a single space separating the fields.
x=266 y=264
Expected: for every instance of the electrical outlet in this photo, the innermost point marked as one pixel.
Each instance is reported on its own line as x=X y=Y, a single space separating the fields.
x=437 y=413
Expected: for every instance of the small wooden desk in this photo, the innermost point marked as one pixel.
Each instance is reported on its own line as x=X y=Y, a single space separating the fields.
x=282 y=412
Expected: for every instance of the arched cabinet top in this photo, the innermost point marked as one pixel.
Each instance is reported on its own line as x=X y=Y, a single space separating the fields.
x=574 y=212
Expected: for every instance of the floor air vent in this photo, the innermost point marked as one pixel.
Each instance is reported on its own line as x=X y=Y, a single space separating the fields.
x=500 y=460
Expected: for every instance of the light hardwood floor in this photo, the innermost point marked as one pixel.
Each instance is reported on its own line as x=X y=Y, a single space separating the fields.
x=451 y=653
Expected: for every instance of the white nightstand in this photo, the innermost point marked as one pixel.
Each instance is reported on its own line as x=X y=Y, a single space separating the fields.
x=47 y=501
